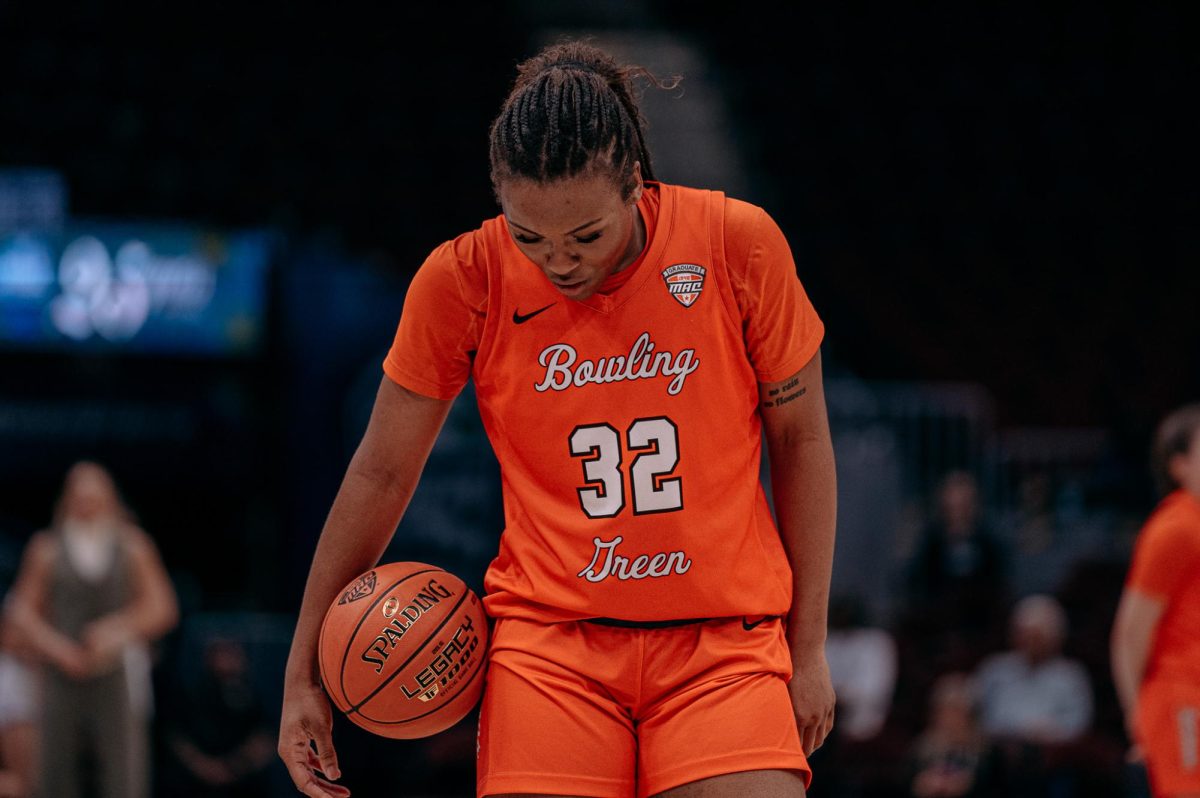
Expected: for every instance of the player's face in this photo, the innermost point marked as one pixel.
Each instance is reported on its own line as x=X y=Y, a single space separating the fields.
x=578 y=230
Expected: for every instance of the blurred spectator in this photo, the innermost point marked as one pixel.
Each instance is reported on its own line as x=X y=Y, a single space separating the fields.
x=18 y=730
x=959 y=573
x=957 y=584
x=1156 y=636
x=859 y=758
x=1037 y=541
x=1048 y=534
x=862 y=662
x=90 y=595
x=1034 y=693
x=951 y=757
x=1033 y=700
x=218 y=730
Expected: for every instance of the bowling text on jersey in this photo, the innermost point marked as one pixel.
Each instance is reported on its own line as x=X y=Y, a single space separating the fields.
x=565 y=369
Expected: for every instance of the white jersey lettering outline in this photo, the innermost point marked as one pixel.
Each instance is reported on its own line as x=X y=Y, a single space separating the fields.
x=643 y=566
x=642 y=363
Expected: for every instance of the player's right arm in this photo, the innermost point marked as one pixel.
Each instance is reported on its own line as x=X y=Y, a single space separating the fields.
x=377 y=487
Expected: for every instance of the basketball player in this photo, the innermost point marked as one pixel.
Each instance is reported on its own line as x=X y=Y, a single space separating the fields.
x=1156 y=636
x=655 y=633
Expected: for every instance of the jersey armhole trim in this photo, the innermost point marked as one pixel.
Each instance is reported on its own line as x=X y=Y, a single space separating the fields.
x=727 y=288
x=737 y=277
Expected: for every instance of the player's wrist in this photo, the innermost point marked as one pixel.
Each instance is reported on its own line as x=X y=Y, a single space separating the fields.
x=806 y=655
x=302 y=672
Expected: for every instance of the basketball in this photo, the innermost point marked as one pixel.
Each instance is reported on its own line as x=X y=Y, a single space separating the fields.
x=402 y=650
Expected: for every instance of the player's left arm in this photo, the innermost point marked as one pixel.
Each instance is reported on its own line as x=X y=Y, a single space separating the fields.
x=804 y=488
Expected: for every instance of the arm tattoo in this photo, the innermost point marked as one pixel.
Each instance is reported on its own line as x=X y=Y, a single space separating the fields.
x=777 y=397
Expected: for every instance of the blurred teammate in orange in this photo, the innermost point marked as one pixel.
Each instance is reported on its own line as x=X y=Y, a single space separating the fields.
x=1156 y=637
x=630 y=341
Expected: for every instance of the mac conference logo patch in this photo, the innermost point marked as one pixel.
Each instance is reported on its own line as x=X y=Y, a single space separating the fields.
x=362 y=587
x=684 y=282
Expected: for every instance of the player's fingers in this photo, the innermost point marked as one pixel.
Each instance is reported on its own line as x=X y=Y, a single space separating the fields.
x=314 y=764
x=808 y=738
x=332 y=790
x=326 y=787
x=829 y=719
x=817 y=731
x=326 y=755
x=308 y=784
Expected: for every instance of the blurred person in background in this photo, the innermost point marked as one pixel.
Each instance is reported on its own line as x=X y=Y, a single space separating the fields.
x=1033 y=700
x=218 y=730
x=1036 y=539
x=959 y=561
x=952 y=757
x=957 y=584
x=959 y=571
x=90 y=596
x=631 y=343
x=18 y=717
x=1048 y=533
x=863 y=663
x=1156 y=635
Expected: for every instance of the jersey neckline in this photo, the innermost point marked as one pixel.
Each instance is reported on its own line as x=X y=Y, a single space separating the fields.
x=643 y=266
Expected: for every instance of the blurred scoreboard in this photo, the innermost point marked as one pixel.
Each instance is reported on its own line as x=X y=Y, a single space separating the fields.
x=137 y=288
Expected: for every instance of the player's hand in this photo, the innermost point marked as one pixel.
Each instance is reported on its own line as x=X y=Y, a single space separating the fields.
x=811 y=689
x=307 y=719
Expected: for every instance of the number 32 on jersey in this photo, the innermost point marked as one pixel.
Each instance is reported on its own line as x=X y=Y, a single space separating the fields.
x=654 y=446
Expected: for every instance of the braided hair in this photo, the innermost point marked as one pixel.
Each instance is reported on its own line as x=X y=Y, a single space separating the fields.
x=571 y=109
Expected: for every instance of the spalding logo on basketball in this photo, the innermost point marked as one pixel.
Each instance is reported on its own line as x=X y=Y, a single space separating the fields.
x=402 y=651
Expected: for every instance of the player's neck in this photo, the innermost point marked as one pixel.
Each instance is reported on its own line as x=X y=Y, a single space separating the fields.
x=637 y=241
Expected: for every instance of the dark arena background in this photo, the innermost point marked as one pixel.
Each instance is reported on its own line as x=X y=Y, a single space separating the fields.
x=993 y=210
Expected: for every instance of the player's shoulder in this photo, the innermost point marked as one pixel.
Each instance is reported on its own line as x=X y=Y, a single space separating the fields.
x=1176 y=516
x=749 y=229
x=739 y=218
x=1171 y=532
x=470 y=251
x=1176 y=508
x=745 y=223
x=464 y=259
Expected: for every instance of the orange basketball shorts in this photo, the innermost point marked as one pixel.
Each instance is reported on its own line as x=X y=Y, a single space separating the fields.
x=590 y=710
x=1169 y=726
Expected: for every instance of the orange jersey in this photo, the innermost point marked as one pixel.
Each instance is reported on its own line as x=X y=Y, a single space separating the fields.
x=1166 y=566
x=626 y=424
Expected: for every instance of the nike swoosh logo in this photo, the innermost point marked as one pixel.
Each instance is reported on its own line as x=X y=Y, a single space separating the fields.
x=749 y=626
x=519 y=319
